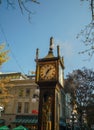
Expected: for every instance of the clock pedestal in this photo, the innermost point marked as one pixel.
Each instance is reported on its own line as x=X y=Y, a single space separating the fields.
x=48 y=77
x=49 y=108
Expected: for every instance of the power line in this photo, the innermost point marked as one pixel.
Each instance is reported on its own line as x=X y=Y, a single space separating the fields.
x=2 y=30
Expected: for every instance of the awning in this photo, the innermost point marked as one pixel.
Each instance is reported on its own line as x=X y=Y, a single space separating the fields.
x=20 y=128
x=23 y=119
x=4 y=128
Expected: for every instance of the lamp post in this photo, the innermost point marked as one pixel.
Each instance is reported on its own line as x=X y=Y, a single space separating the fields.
x=1 y=109
x=36 y=95
x=73 y=119
x=35 y=99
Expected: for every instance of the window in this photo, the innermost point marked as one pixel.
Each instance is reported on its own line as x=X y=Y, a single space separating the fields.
x=27 y=92
x=26 y=107
x=19 y=107
x=20 y=92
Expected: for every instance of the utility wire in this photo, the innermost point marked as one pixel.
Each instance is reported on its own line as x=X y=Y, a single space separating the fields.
x=2 y=30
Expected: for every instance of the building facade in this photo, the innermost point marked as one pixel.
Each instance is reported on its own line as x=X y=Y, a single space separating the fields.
x=21 y=108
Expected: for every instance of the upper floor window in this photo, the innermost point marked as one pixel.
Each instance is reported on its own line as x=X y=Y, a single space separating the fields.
x=21 y=92
x=19 y=107
x=26 y=107
x=27 y=92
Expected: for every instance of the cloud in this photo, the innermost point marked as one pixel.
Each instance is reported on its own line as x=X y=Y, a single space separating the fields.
x=66 y=48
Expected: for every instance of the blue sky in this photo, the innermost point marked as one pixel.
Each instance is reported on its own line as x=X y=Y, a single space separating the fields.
x=62 y=19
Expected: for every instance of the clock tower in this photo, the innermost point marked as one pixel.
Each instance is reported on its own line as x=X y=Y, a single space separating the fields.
x=50 y=78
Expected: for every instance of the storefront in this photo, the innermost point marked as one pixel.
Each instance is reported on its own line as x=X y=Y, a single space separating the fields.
x=28 y=121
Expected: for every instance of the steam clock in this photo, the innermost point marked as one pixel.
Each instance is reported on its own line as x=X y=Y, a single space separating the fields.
x=49 y=77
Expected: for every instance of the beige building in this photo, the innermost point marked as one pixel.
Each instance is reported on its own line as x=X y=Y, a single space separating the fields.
x=21 y=109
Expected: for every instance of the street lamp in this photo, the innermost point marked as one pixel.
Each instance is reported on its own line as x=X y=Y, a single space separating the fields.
x=73 y=119
x=1 y=109
x=84 y=117
x=37 y=91
x=35 y=101
x=36 y=95
x=35 y=98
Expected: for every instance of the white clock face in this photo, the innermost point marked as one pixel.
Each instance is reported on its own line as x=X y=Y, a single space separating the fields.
x=61 y=75
x=47 y=72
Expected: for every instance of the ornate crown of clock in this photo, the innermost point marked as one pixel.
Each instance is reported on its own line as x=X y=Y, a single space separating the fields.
x=49 y=68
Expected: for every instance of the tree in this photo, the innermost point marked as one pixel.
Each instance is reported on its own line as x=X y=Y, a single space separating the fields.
x=4 y=82
x=5 y=88
x=3 y=54
x=81 y=82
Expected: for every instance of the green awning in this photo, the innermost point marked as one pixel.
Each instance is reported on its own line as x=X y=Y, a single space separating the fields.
x=22 y=119
x=20 y=128
x=4 y=128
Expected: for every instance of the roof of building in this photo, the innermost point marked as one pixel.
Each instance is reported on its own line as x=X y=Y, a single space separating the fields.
x=13 y=75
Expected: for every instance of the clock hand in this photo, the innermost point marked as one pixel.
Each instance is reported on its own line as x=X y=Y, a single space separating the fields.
x=48 y=71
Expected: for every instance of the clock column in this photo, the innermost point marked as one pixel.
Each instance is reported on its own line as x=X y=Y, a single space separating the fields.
x=49 y=81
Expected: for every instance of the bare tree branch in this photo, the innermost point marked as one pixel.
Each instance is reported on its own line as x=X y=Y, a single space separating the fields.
x=22 y=6
x=87 y=34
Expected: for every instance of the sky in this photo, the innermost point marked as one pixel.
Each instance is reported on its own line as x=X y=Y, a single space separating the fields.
x=60 y=19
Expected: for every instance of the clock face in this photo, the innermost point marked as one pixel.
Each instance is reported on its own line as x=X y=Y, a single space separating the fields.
x=47 y=72
x=60 y=75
